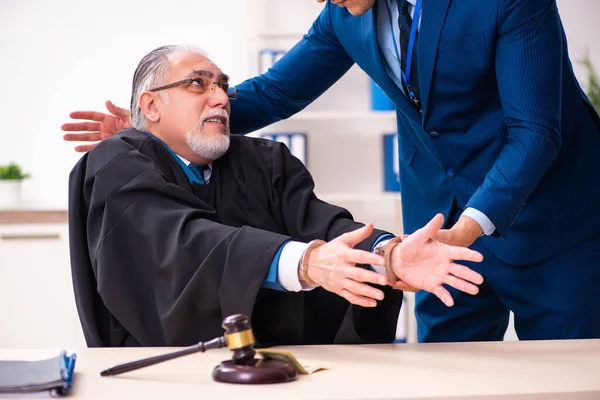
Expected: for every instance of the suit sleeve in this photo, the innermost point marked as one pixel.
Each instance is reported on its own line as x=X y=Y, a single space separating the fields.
x=297 y=79
x=162 y=265
x=529 y=75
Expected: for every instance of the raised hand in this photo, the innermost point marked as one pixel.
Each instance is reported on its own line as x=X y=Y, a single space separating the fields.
x=99 y=126
x=333 y=266
x=425 y=263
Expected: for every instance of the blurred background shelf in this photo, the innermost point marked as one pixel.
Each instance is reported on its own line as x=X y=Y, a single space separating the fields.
x=384 y=210
x=282 y=35
x=388 y=116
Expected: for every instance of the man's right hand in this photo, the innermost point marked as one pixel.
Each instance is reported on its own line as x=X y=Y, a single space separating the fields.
x=333 y=266
x=98 y=126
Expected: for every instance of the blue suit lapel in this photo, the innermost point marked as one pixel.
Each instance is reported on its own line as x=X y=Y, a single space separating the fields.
x=434 y=13
x=379 y=75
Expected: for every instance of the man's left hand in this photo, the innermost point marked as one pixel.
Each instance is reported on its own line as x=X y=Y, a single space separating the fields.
x=463 y=233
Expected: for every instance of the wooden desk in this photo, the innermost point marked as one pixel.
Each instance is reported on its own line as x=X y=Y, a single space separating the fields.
x=33 y=216
x=494 y=371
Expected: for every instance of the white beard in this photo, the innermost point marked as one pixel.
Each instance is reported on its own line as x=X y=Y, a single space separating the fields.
x=208 y=147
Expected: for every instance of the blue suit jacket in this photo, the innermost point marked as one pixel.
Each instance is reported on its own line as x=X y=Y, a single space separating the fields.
x=505 y=127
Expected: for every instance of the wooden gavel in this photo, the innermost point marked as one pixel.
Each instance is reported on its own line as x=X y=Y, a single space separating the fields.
x=242 y=368
x=238 y=337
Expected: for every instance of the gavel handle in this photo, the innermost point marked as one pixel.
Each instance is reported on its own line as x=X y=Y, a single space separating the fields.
x=133 y=365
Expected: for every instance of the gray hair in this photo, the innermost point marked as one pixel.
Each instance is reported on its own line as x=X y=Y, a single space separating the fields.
x=150 y=73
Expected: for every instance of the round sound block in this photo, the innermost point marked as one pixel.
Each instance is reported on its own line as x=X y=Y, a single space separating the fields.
x=260 y=372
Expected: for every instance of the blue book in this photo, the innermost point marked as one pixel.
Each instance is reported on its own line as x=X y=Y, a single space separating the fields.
x=379 y=100
x=391 y=170
x=268 y=57
x=295 y=141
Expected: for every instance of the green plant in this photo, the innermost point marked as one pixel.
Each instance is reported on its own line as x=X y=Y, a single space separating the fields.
x=593 y=84
x=13 y=172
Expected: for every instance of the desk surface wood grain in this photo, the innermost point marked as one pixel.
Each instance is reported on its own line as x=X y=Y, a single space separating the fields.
x=501 y=370
x=30 y=216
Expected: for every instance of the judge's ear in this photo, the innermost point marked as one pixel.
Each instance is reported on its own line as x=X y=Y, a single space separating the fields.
x=148 y=104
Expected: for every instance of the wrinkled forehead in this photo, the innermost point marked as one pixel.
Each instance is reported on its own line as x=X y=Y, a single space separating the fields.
x=190 y=65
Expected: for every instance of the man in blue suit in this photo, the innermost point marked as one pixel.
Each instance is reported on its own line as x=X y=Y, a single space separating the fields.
x=494 y=132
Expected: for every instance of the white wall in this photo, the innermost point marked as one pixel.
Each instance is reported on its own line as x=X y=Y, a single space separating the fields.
x=580 y=19
x=69 y=55
x=65 y=55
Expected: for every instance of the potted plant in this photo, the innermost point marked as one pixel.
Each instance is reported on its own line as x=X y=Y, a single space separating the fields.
x=593 y=84
x=11 y=177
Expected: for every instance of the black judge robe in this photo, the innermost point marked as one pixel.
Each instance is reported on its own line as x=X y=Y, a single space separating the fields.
x=158 y=261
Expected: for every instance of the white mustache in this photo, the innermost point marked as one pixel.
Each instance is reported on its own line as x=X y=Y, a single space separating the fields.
x=217 y=112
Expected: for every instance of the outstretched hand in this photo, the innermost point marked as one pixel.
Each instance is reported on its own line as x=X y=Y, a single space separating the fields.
x=99 y=126
x=333 y=266
x=425 y=263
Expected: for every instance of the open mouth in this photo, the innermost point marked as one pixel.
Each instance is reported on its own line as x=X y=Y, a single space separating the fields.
x=215 y=120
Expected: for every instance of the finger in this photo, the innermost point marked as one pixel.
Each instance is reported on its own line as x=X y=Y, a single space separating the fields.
x=444 y=296
x=91 y=115
x=363 y=257
x=118 y=111
x=466 y=274
x=429 y=230
x=358 y=300
x=461 y=285
x=405 y=287
x=362 y=289
x=81 y=126
x=462 y=253
x=84 y=148
x=405 y=236
x=82 y=137
x=363 y=275
x=351 y=239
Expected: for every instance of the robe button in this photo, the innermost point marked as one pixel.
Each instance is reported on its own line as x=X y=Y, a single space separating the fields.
x=434 y=135
x=450 y=173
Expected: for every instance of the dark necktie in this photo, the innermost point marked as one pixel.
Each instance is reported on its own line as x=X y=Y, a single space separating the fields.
x=405 y=24
x=198 y=170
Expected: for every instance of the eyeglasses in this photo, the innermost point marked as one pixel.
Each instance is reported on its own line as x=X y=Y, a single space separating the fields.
x=201 y=85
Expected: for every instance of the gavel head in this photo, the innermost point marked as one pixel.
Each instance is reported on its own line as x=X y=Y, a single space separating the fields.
x=239 y=338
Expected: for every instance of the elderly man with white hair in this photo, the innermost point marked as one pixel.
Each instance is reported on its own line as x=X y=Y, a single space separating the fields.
x=175 y=224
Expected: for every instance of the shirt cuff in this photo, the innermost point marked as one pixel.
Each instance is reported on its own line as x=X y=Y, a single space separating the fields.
x=484 y=222
x=288 y=267
x=380 y=242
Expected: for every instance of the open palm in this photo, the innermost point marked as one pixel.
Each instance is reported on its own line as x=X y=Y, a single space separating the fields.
x=98 y=126
x=333 y=267
x=424 y=263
